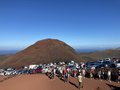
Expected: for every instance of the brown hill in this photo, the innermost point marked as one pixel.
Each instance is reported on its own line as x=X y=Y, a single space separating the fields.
x=100 y=55
x=44 y=51
x=118 y=48
x=3 y=58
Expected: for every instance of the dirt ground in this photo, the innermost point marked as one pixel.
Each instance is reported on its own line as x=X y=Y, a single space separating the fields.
x=42 y=82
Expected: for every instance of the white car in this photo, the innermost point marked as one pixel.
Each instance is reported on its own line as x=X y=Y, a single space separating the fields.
x=10 y=72
x=118 y=65
x=2 y=73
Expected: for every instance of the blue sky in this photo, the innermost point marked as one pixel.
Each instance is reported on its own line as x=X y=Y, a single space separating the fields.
x=80 y=23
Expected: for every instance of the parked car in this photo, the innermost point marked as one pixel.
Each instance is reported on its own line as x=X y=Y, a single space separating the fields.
x=92 y=65
x=10 y=72
x=106 y=64
x=38 y=70
x=2 y=73
x=118 y=64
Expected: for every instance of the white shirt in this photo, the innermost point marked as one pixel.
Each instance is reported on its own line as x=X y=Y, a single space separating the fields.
x=80 y=78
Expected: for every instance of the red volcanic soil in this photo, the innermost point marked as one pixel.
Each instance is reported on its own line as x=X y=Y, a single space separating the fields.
x=42 y=82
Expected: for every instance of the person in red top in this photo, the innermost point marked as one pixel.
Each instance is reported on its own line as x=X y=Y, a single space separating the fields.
x=75 y=72
x=65 y=74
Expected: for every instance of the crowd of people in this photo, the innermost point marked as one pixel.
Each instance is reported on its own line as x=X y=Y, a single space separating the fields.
x=77 y=70
x=64 y=73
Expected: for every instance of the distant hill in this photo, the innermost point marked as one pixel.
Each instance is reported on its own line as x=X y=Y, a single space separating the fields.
x=118 y=48
x=100 y=54
x=44 y=51
x=3 y=58
x=6 y=52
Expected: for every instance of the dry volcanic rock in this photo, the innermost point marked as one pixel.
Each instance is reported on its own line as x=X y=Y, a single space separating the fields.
x=44 y=51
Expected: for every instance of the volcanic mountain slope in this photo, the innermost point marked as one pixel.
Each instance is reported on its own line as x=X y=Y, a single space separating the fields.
x=44 y=51
x=3 y=58
x=100 y=55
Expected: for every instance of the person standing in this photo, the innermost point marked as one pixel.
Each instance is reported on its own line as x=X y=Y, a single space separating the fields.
x=74 y=72
x=91 y=74
x=83 y=72
x=80 y=82
x=68 y=72
x=109 y=75
x=103 y=74
x=65 y=74
x=119 y=76
x=99 y=74
x=66 y=77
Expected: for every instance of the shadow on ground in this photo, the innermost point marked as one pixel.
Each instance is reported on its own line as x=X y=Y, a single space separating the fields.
x=73 y=84
x=113 y=87
x=9 y=77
